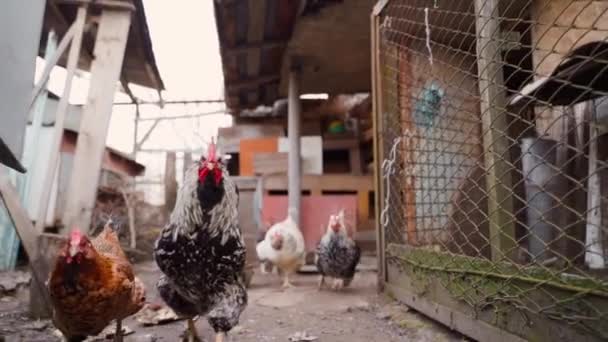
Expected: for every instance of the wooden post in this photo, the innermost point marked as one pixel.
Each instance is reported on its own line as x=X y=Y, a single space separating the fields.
x=377 y=148
x=72 y=64
x=170 y=182
x=105 y=70
x=495 y=130
x=293 y=131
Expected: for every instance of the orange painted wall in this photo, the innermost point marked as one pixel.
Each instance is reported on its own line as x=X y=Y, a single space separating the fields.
x=247 y=149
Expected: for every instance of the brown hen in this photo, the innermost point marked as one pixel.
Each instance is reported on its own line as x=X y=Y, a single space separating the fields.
x=93 y=284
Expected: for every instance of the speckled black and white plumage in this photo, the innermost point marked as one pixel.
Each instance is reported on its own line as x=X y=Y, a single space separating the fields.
x=338 y=255
x=201 y=252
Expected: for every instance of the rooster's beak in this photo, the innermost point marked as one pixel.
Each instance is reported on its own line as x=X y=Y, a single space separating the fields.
x=73 y=251
x=210 y=166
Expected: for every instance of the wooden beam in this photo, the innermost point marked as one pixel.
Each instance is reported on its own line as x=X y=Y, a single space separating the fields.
x=495 y=130
x=249 y=47
x=62 y=108
x=377 y=143
x=29 y=238
x=110 y=48
x=252 y=83
x=19 y=216
x=51 y=61
x=257 y=16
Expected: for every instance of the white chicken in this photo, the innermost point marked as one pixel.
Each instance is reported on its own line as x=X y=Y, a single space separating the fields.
x=283 y=246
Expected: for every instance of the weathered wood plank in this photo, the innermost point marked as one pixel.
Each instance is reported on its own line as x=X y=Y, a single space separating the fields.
x=377 y=142
x=495 y=131
x=266 y=163
x=105 y=70
x=40 y=303
x=62 y=108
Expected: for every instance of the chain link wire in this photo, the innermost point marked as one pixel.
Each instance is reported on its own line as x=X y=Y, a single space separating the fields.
x=495 y=153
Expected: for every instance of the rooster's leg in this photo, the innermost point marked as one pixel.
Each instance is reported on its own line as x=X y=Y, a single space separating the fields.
x=321 y=282
x=118 y=333
x=286 y=283
x=219 y=337
x=192 y=333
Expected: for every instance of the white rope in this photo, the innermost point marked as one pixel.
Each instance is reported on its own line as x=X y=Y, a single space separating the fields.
x=388 y=169
x=428 y=33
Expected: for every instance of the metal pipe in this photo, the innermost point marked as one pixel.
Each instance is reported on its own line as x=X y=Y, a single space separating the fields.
x=294 y=174
x=545 y=185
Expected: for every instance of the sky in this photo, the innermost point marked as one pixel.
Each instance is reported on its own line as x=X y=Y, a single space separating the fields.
x=185 y=43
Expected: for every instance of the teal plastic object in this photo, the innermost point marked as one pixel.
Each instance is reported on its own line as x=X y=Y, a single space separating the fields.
x=428 y=105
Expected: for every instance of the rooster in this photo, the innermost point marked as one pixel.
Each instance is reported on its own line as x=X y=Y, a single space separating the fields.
x=92 y=284
x=283 y=246
x=337 y=254
x=201 y=251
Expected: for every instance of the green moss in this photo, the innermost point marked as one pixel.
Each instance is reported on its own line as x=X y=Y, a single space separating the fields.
x=453 y=263
x=508 y=289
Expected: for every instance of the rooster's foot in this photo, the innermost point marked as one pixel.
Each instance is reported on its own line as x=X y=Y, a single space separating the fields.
x=191 y=335
x=118 y=333
x=337 y=285
x=321 y=282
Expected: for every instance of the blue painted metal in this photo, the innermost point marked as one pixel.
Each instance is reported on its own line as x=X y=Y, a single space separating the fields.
x=9 y=240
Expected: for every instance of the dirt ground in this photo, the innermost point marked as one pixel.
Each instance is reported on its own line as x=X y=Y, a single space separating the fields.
x=357 y=314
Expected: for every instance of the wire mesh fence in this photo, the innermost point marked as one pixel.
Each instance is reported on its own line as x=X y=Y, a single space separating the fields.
x=494 y=148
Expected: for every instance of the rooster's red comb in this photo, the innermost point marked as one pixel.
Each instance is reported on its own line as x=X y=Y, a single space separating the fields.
x=211 y=150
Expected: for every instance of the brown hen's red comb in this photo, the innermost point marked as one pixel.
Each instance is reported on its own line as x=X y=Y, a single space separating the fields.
x=75 y=235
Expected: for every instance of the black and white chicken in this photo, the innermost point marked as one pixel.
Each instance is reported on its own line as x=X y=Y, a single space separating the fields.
x=337 y=254
x=201 y=252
